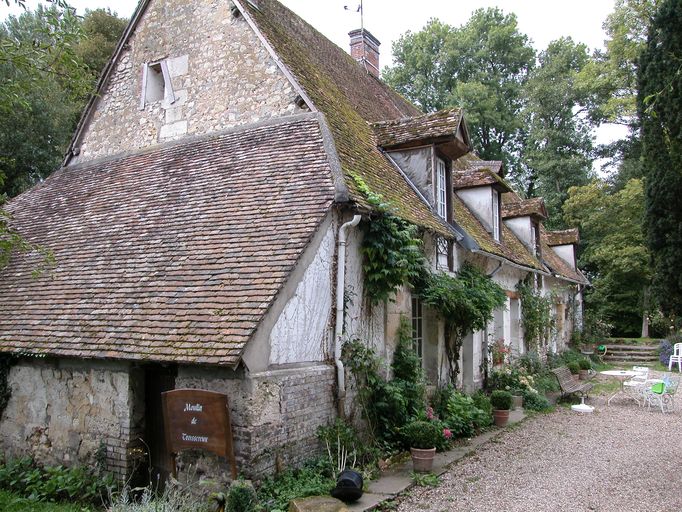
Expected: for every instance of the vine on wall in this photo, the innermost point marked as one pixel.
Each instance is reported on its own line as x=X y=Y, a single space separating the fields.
x=536 y=312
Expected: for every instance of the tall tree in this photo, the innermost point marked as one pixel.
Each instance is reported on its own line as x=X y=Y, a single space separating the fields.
x=613 y=250
x=101 y=32
x=558 y=149
x=660 y=112
x=480 y=66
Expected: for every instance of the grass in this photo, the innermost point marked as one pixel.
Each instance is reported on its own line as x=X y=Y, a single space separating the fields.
x=10 y=502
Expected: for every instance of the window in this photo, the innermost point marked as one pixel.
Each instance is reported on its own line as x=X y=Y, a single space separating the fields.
x=496 y=215
x=441 y=189
x=156 y=84
x=417 y=326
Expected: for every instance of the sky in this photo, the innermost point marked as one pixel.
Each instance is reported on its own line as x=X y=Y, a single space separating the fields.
x=542 y=20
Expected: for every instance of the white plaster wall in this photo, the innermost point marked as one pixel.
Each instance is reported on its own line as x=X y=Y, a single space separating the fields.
x=416 y=164
x=566 y=253
x=301 y=332
x=480 y=201
x=522 y=228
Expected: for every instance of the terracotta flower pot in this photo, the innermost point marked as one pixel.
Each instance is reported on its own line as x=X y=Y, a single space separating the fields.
x=584 y=374
x=501 y=417
x=422 y=460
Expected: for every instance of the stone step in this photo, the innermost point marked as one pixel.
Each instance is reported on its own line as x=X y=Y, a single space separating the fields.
x=633 y=348
x=629 y=359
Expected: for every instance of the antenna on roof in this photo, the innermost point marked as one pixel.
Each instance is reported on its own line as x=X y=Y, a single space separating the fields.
x=359 y=9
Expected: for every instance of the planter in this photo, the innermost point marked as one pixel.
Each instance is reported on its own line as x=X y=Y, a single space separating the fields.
x=422 y=460
x=576 y=376
x=348 y=486
x=501 y=417
x=584 y=374
x=517 y=402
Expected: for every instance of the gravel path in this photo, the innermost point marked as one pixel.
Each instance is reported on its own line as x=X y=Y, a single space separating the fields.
x=619 y=458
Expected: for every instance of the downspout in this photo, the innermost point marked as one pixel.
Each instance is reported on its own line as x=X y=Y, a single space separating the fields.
x=499 y=267
x=340 y=293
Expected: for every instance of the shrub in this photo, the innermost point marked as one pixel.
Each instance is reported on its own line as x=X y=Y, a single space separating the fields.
x=482 y=402
x=422 y=434
x=574 y=367
x=535 y=402
x=275 y=493
x=241 y=498
x=505 y=379
x=546 y=381
x=501 y=400
x=585 y=364
x=460 y=413
x=174 y=498
x=530 y=363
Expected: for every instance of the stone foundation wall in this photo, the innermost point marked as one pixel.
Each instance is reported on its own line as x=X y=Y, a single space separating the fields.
x=275 y=416
x=62 y=411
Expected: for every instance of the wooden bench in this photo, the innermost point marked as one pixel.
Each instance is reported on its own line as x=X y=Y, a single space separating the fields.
x=569 y=384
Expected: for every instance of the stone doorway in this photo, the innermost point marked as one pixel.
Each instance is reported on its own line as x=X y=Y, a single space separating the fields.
x=157 y=379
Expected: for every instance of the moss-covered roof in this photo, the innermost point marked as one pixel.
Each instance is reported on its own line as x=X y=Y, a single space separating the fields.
x=350 y=100
x=494 y=165
x=424 y=128
x=534 y=207
x=476 y=176
x=563 y=237
x=556 y=264
x=510 y=247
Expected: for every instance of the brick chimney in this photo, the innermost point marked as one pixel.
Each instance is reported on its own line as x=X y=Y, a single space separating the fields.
x=364 y=48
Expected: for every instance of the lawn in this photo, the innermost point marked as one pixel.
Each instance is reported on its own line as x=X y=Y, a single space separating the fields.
x=10 y=502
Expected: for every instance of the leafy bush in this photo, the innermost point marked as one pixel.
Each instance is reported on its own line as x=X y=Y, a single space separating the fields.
x=574 y=367
x=585 y=364
x=422 y=434
x=482 y=403
x=174 y=498
x=54 y=483
x=241 y=498
x=534 y=401
x=545 y=381
x=501 y=400
x=506 y=379
x=460 y=413
x=11 y=502
x=530 y=363
x=275 y=493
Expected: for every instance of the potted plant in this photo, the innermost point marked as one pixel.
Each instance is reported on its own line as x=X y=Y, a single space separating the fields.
x=574 y=368
x=585 y=367
x=501 y=402
x=422 y=437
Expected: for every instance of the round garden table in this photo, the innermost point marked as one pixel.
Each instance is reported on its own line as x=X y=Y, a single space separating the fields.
x=622 y=376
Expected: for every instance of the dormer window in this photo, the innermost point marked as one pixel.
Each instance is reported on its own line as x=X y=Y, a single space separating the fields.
x=156 y=84
x=441 y=189
x=535 y=238
x=496 y=215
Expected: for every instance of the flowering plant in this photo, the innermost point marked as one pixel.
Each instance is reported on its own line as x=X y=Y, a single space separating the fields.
x=500 y=351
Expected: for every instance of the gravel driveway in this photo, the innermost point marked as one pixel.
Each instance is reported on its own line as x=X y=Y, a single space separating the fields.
x=619 y=458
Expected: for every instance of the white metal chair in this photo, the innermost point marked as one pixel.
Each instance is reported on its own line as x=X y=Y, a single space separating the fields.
x=676 y=357
x=662 y=394
x=637 y=385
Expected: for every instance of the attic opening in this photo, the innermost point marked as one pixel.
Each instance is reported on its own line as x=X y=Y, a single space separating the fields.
x=156 y=84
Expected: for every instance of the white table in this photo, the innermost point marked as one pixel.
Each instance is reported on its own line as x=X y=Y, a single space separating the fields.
x=622 y=376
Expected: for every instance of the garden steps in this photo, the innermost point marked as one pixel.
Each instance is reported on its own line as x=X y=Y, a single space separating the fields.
x=631 y=353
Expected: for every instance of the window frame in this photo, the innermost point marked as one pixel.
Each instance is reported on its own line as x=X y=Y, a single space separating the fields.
x=168 y=93
x=417 y=318
x=441 y=188
x=497 y=228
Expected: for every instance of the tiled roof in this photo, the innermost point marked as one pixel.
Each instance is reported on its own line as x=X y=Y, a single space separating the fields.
x=427 y=128
x=172 y=254
x=563 y=237
x=510 y=248
x=350 y=99
x=557 y=265
x=475 y=176
x=493 y=165
x=534 y=207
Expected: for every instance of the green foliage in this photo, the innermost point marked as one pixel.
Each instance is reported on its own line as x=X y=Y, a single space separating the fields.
x=463 y=415
x=574 y=367
x=241 y=498
x=391 y=249
x=422 y=434
x=533 y=401
x=480 y=66
x=536 y=312
x=344 y=447
x=174 y=498
x=275 y=493
x=10 y=502
x=425 y=479
x=501 y=400
x=465 y=303
x=614 y=251
x=101 y=32
x=585 y=364
x=660 y=113
x=55 y=483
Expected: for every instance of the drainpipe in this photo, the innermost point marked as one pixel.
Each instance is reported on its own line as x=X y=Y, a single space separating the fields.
x=340 y=281
x=499 y=267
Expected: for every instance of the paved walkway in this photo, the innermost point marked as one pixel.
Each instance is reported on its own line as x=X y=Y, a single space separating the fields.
x=619 y=458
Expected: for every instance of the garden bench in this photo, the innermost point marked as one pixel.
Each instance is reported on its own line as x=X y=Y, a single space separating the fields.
x=568 y=384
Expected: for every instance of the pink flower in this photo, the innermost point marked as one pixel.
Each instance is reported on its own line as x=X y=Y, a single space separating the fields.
x=429 y=413
x=446 y=433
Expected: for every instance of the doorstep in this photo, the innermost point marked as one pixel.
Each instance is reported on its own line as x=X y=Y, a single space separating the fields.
x=397 y=478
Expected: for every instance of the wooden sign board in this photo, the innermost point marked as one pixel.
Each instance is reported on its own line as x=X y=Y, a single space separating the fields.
x=195 y=419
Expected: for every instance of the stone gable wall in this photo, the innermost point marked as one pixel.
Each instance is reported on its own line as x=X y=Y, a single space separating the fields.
x=222 y=76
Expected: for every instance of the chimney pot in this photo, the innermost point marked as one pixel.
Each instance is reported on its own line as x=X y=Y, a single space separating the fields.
x=364 y=48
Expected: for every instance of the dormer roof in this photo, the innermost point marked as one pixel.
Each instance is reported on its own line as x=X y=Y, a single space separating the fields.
x=563 y=237
x=478 y=176
x=445 y=128
x=534 y=208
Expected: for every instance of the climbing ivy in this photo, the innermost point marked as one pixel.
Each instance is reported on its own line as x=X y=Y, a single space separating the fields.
x=536 y=312
x=391 y=248
x=465 y=303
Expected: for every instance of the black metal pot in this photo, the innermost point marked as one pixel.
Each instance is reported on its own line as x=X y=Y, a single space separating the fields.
x=348 y=486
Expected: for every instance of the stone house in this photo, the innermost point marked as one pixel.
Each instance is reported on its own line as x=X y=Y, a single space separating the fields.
x=204 y=226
